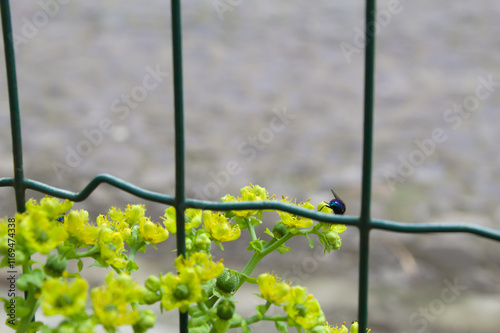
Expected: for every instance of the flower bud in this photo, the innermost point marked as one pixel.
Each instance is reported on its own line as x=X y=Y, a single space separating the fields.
x=225 y=309
x=189 y=244
x=227 y=281
x=279 y=230
x=202 y=241
x=146 y=320
x=151 y=297
x=55 y=266
x=181 y=292
x=333 y=239
x=152 y=283
x=354 y=327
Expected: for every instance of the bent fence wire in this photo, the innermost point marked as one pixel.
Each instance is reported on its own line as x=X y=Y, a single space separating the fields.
x=364 y=222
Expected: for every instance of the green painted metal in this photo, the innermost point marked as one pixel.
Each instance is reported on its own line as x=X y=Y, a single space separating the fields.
x=15 y=118
x=180 y=197
x=364 y=222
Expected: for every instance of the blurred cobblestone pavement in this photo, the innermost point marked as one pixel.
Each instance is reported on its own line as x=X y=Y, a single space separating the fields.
x=273 y=96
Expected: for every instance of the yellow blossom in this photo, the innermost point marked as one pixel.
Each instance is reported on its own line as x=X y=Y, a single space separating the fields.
x=52 y=208
x=192 y=219
x=112 y=302
x=339 y=228
x=63 y=298
x=202 y=264
x=296 y=221
x=131 y=215
x=151 y=232
x=41 y=233
x=111 y=246
x=303 y=309
x=219 y=228
x=179 y=291
x=272 y=289
x=248 y=193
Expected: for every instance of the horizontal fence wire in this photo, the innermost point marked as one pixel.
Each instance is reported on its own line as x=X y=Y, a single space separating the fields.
x=365 y=223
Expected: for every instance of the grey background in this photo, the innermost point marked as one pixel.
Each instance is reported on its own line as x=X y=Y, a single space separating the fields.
x=77 y=66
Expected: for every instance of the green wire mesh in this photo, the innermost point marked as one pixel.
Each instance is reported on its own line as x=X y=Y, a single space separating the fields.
x=364 y=222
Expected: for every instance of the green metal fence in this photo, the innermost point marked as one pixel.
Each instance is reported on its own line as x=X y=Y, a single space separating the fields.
x=364 y=222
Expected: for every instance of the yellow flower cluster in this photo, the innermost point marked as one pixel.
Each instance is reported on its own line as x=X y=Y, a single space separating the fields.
x=39 y=226
x=112 y=303
x=296 y=221
x=248 y=193
x=179 y=291
x=272 y=289
x=303 y=309
x=59 y=297
x=192 y=219
x=219 y=228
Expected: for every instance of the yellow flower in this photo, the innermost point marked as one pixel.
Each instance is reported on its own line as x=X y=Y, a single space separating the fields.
x=112 y=302
x=118 y=222
x=111 y=246
x=131 y=215
x=326 y=328
x=63 y=298
x=273 y=289
x=41 y=233
x=296 y=221
x=219 y=228
x=192 y=219
x=202 y=264
x=153 y=233
x=75 y=221
x=179 y=291
x=248 y=193
x=303 y=309
x=90 y=234
x=339 y=228
x=51 y=207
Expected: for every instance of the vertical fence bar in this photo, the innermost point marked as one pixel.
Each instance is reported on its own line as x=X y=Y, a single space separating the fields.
x=364 y=227
x=15 y=119
x=180 y=199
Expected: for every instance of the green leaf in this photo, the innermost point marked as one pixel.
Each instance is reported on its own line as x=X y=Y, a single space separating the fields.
x=34 y=326
x=281 y=326
x=256 y=245
x=98 y=263
x=245 y=328
x=311 y=243
x=269 y=232
x=219 y=244
x=80 y=265
x=34 y=277
x=261 y=311
x=221 y=325
x=142 y=249
x=131 y=266
x=283 y=249
x=255 y=222
x=241 y=222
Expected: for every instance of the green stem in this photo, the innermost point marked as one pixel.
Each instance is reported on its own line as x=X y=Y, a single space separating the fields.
x=89 y=253
x=203 y=308
x=211 y=301
x=251 y=229
x=268 y=248
x=134 y=250
x=32 y=304
x=255 y=319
